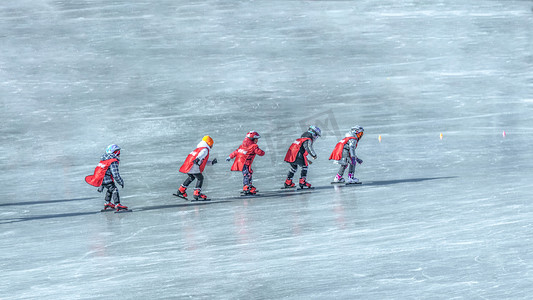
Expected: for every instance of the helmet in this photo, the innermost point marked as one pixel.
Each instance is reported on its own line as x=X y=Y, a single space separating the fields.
x=115 y=149
x=253 y=135
x=208 y=140
x=315 y=130
x=357 y=131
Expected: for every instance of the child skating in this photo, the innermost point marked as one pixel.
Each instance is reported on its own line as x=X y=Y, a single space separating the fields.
x=344 y=154
x=194 y=166
x=297 y=156
x=244 y=157
x=106 y=174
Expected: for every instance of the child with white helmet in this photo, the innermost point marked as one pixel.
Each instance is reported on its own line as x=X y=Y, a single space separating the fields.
x=105 y=176
x=194 y=166
x=297 y=156
x=344 y=154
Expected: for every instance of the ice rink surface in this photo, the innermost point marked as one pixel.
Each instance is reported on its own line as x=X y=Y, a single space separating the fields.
x=436 y=218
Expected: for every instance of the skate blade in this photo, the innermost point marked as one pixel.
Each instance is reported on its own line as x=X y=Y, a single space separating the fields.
x=355 y=183
x=109 y=209
x=310 y=188
x=333 y=182
x=200 y=200
x=123 y=211
x=180 y=196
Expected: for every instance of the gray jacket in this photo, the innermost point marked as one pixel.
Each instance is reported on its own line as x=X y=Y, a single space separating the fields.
x=112 y=171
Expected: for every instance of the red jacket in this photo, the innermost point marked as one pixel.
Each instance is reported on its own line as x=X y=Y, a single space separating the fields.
x=99 y=172
x=189 y=161
x=337 y=152
x=245 y=154
x=292 y=153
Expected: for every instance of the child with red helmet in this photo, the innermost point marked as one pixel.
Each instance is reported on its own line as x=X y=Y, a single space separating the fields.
x=194 y=166
x=244 y=157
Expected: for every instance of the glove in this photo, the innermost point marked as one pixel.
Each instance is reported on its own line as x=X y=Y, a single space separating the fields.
x=359 y=161
x=197 y=161
x=214 y=161
x=100 y=189
x=314 y=157
x=122 y=185
x=228 y=158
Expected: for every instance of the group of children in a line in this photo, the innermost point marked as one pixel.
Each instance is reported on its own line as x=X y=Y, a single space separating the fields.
x=106 y=174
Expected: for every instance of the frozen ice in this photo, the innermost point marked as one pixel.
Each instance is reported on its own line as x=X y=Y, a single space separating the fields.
x=435 y=218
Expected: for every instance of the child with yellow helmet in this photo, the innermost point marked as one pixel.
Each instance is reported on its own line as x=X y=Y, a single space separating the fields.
x=194 y=166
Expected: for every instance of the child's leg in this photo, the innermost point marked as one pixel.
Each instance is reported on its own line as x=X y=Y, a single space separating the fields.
x=246 y=175
x=188 y=181
x=344 y=162
x=342 y=168
x=351 y=170
x=108 y=193
x=112 y=193
x=303 y=173
x=200 y=180
x=292 y=170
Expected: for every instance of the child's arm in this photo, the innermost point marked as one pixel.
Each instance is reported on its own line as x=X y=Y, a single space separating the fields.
x=259 y=151
x=308 y=146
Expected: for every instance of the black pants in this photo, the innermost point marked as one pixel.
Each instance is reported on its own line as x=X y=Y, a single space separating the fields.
x=111 y=193
x=294 y=168
x=190 y=179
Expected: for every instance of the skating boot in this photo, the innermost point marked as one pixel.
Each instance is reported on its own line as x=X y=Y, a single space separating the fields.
x=246 y=190
x=119 y=206
x=352 y=179
x=109 y=206
x=181 y=192
x=253 y=190
x=338 y=179
x=289 y=183
x=198 y=196
x=304 y=184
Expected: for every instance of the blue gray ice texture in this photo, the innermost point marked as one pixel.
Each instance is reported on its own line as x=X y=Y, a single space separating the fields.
x=446 y=218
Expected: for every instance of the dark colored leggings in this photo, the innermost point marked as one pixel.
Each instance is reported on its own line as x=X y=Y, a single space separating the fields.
x=111 y=193
x=247 y=175
x=294 y=168
x=199 y=177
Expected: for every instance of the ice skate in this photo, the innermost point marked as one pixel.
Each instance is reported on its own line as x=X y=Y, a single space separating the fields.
x=304 y=184
x=181 y=193
x=352 y=179
x=338 y=179
x=198 y=196
x=288 y=184
x=120 y=207
x=108 y=206
x=249 y=190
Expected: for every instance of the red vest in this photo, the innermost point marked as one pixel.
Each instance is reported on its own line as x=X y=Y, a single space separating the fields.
x=337 y=152
x=290 y=157
x=189 y=161
x=99 y=172
x=245 y=155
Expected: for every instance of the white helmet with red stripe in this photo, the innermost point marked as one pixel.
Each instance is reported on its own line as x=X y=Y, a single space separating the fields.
x=253 y=135
x=113 y=149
